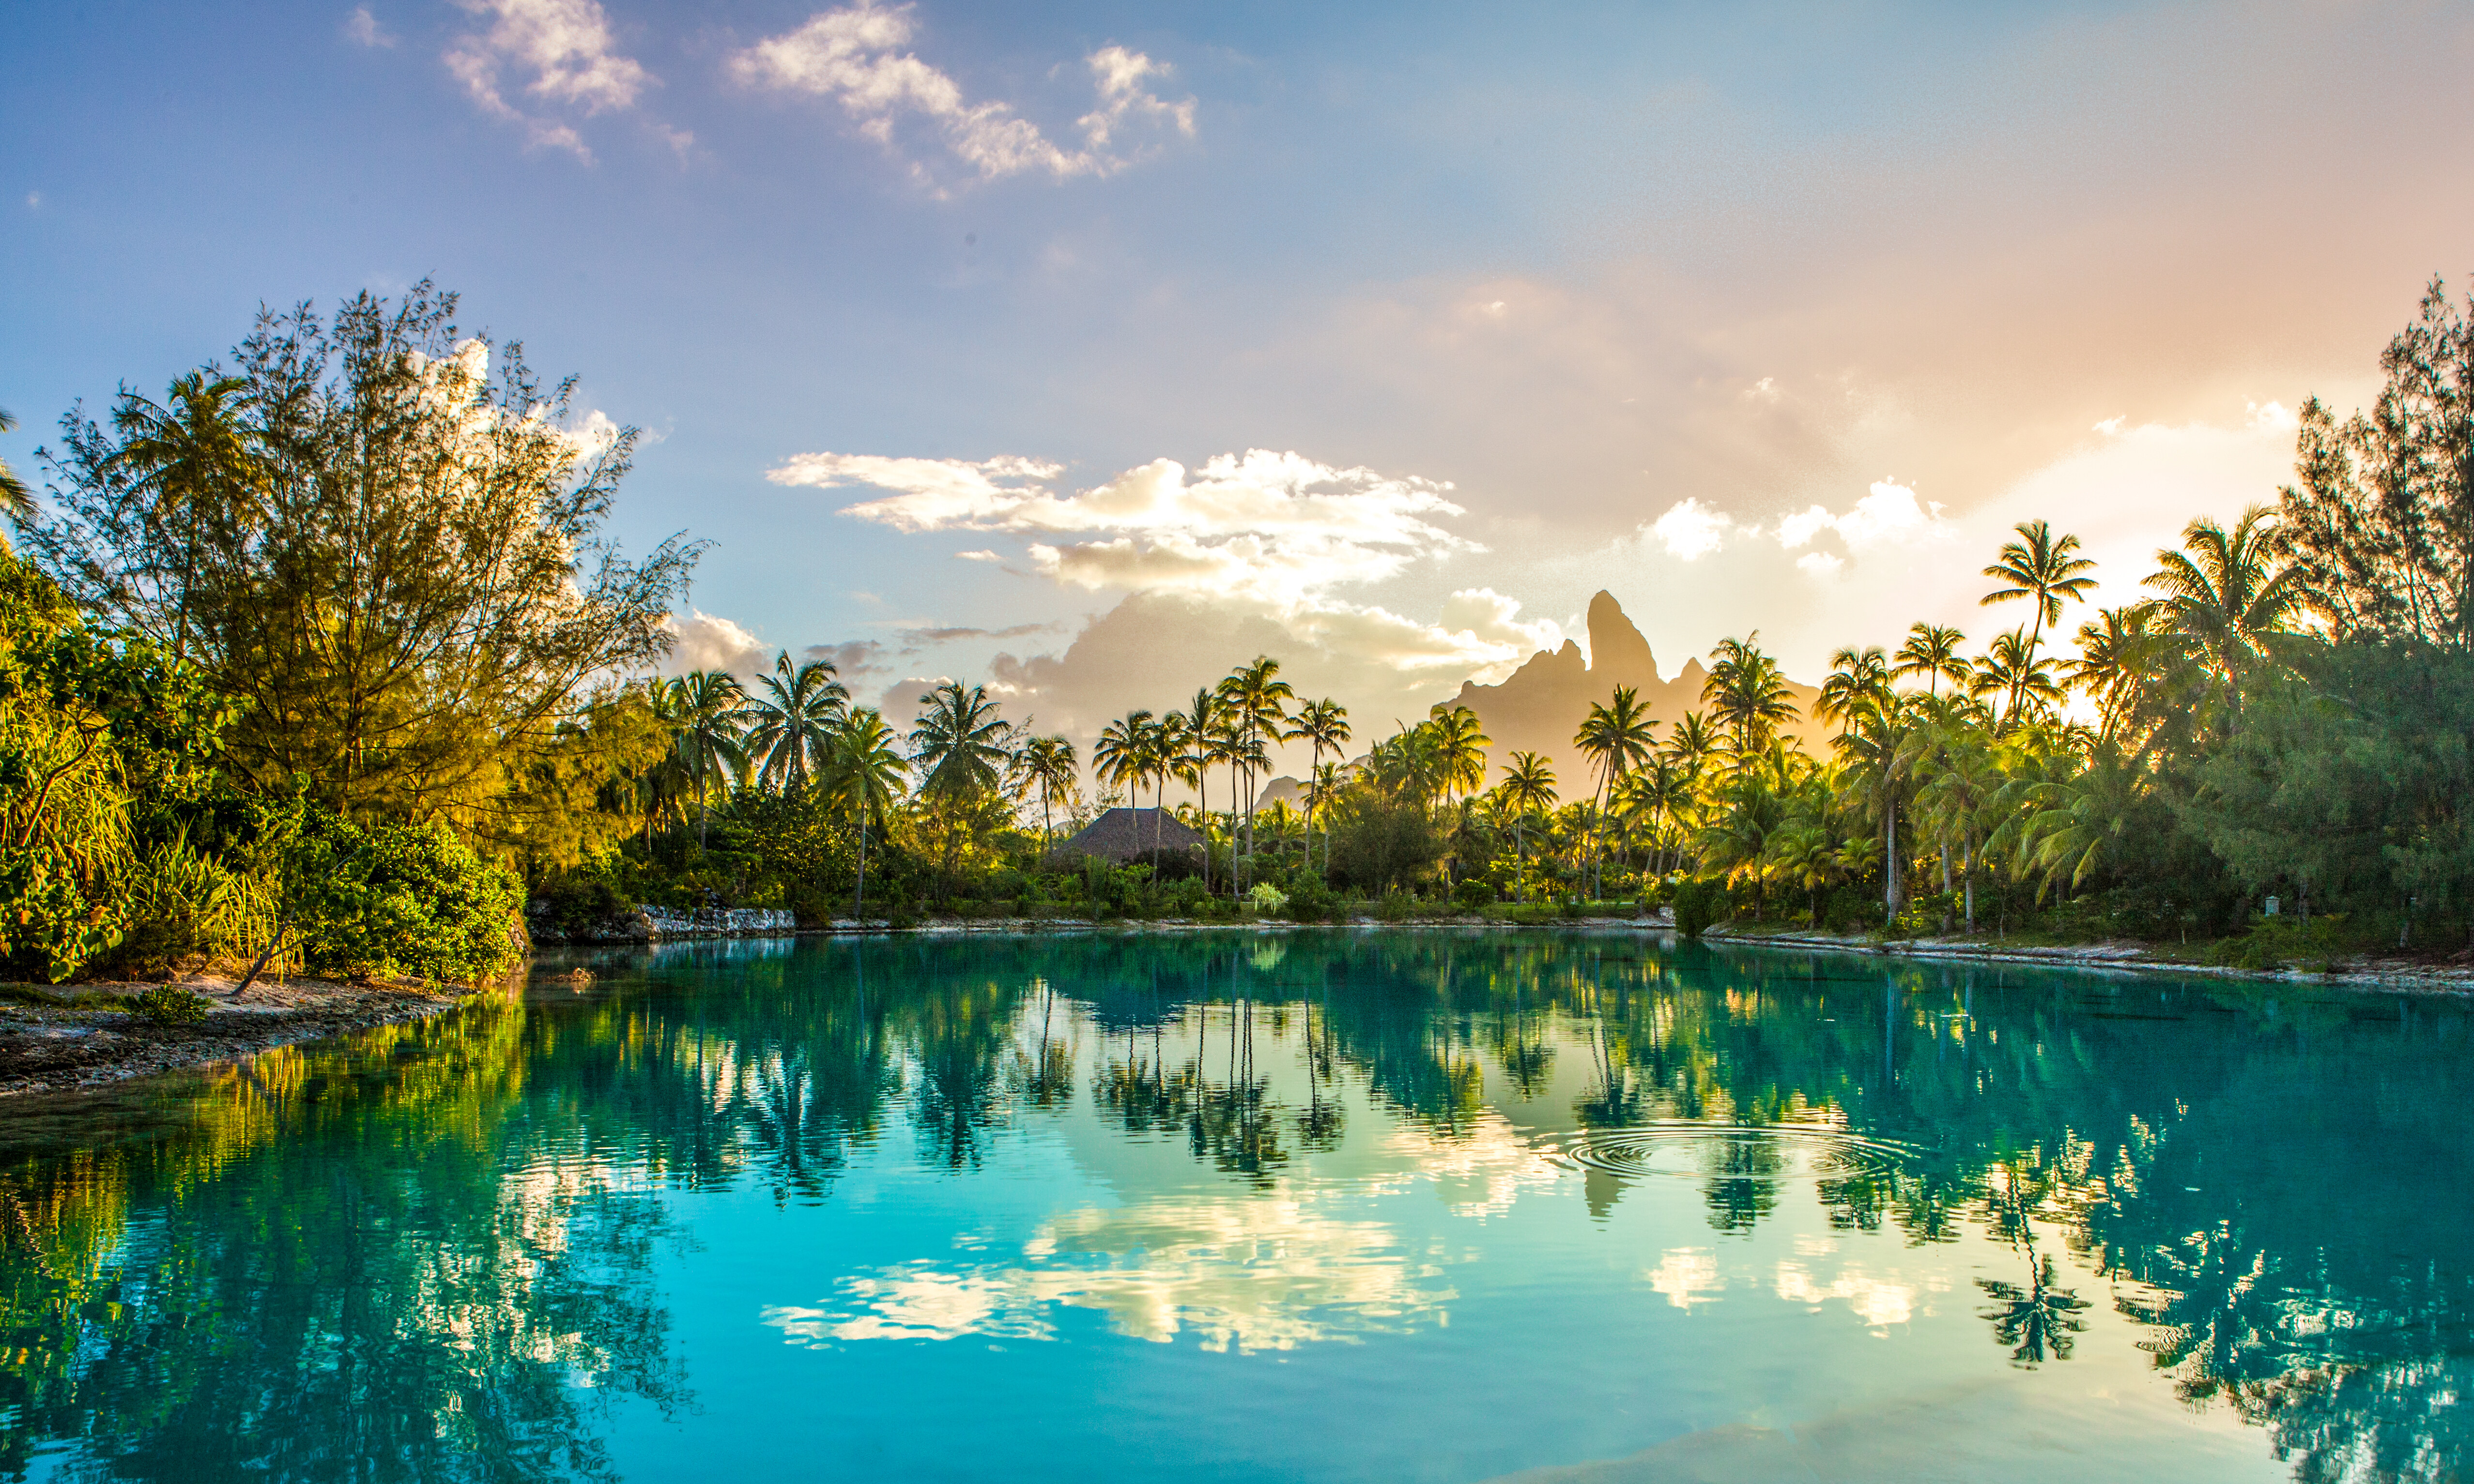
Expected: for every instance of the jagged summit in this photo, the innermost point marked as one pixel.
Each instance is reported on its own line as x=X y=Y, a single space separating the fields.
x=1538 y=706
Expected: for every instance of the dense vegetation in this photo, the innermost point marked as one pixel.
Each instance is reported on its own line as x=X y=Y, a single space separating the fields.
x=345 y=615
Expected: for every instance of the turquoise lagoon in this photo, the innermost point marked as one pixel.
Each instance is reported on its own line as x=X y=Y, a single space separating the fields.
x=1306 y=1206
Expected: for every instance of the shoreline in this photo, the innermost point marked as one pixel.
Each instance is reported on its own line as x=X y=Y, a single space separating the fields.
x=77 y=1039
x=2119 y=956
x=81 y=1037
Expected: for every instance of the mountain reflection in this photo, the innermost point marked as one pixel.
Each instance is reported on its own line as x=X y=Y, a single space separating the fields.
x=442 y=1245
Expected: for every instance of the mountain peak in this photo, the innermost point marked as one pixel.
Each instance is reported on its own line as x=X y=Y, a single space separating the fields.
x=1618 y=654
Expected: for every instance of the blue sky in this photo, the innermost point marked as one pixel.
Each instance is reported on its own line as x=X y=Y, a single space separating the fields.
x=1755 y=316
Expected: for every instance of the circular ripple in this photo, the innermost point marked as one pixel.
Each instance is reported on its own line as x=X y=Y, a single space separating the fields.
x=1702 y=1150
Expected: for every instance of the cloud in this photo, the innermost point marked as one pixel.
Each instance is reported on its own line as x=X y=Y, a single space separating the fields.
x=1272 y=527
x=917 y=639
x=980 y=555
x=704 y=640
x=566 y=48
x=853 y=56
x=1691 y=529
x=363 y=28
x=1889 y=514
x=852 y=659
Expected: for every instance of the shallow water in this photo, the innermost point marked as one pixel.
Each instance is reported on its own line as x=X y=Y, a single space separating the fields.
x=1319 y=1206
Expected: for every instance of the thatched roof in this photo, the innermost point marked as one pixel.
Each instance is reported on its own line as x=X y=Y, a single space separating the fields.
x=1124 y=835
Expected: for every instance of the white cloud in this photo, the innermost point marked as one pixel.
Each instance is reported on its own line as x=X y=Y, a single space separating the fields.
x=1890 y=514
x=704 y=640
x=1691 y=529
x=1272 y=527
x=33 y=201
x=982 y=556
x=566 y=49
x=853 y=56
x=363 y=28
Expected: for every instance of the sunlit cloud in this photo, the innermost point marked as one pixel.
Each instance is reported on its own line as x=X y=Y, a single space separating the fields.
x=564 y=54
x=853 y=56
x=363 y=29
x=704 y=640
x=1272 y=527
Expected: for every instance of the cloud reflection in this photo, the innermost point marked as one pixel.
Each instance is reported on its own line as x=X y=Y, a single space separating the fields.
x=1251 y=1275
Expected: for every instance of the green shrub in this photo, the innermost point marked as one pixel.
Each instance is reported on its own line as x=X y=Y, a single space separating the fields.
x=1698 y=903
x=170 y=1004
x=2284 y=943
x=1472 y=894
x=396 y=900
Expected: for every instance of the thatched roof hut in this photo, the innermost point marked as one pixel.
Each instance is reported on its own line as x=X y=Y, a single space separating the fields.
x=1126 y=836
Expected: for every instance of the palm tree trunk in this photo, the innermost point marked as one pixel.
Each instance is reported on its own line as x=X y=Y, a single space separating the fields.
x=858 y=909
x=1890 y=862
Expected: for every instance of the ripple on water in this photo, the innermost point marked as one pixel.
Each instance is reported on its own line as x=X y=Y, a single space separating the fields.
x=1698 y=1150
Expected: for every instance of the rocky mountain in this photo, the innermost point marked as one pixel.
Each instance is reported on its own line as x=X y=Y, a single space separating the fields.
x=1538 y=707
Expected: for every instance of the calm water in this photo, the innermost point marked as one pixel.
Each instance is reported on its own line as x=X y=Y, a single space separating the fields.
x=1341 y=1206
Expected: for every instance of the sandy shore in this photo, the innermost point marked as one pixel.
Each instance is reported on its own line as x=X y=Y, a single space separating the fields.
x=66 y=1037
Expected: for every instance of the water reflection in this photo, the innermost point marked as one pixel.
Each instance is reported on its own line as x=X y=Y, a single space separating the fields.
x=449 y=1244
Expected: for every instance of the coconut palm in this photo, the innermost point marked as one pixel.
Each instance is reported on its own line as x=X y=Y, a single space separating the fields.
x=16 y=501
x=1460 y=749
x=1858 y=678
x=2112 y=668
x=1932 y=650
x=2225 y=591
x=1528 y=785
x=791 y=720
x=1747 y=695
x=1690 y=743
x=864 y=774
x=2012 y=669
x=1125 y=754
x=1323 y=726
x=1617 y=735
x=192 y=462
x=1258 y=697
x=961 y=746
x=1045 y=763
x=709 y=715
x=1322 y=789
x=2038 y=567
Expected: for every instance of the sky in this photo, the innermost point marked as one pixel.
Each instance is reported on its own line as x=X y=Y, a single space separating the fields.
x=1086 y=350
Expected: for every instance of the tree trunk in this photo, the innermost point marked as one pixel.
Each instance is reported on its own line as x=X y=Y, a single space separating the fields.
x=1890 y=865
x=858 y=909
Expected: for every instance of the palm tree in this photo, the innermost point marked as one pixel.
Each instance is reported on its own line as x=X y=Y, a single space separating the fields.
x=1690 y=743
x=1324 y=725
x=16 y=501
x=191 y=462
x=1045 y=763
x=708 y=710
x=1259 y=698
x=2012 y=668
x=1321 y=789
x=1932 y=650
x=791 y=721
x=2041 y=567
x=1858 y=678
x=1122 y=755
x=961 y=746
x=1617 y=735
x=1460 y=749
x=2113 y=662
x=1747 y=695
x=2225 y=591
x=1528 y=784
x=1872 y=765
x=862 y=775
